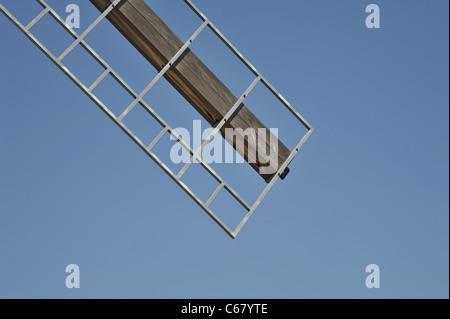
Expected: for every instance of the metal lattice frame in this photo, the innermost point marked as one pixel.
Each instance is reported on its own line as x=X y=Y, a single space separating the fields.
x=138 y=99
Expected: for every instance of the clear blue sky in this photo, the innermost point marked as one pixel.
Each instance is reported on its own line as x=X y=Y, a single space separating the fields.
x=370 y=187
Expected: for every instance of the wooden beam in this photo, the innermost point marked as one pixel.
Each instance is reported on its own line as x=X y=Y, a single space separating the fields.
x=192 y=78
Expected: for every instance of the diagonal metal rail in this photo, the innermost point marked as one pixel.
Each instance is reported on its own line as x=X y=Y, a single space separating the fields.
x=166 y=128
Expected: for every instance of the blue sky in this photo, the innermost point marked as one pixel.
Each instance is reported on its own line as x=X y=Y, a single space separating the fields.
x=370 y=186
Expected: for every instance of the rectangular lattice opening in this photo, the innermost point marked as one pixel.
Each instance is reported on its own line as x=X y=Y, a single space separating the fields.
x=117 y=102
x=200 y=181
x=51 y=34
x=83 y=66
x=142 y=124
x=170 y=152
x=228 y=209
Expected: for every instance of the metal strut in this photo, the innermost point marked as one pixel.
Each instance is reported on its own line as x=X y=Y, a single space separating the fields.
x=166 y=128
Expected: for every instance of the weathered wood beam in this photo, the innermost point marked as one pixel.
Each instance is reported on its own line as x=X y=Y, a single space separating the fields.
x=191 y=78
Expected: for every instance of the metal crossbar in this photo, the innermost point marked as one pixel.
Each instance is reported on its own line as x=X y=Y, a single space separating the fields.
x=166 y=128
